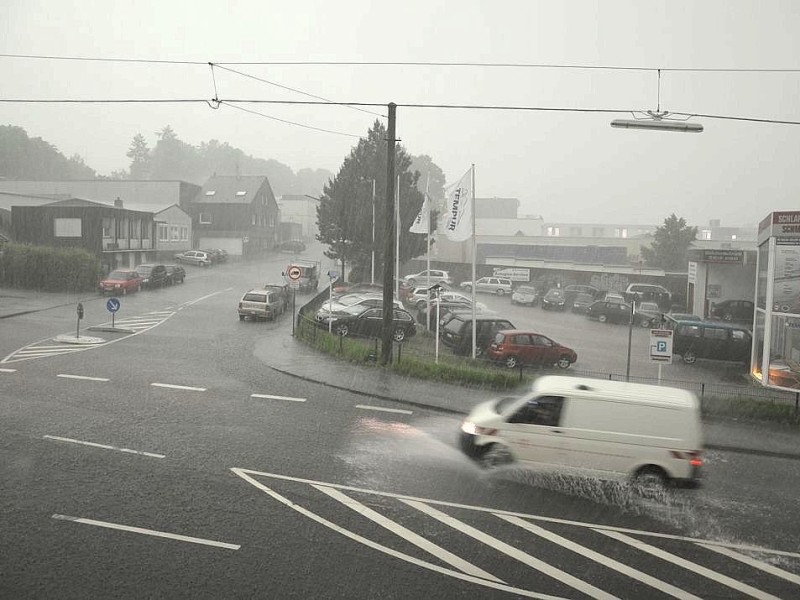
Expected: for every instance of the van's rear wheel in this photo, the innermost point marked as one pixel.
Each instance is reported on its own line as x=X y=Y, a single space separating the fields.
x=496 y=456
x=602 y=318
x=649 y=481
x=689 y=357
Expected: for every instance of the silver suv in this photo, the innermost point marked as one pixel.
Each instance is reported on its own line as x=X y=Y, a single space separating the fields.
x=261 y=304
x=491 y=285
x=428 y=278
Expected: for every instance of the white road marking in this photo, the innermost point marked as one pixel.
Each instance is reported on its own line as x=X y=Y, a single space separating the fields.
x=83 y=377
x=46 y=351
x=270 y=397
x=539 y=518
x=405 y=533
x=172 y=386
x=756 y=564
x=8 y=370
x=185 y=304
x=152 y=532
x=103 y=446
x=382 y=409
x=601 y=558
x=381 y=548
x=508 y=550
x=690 y=566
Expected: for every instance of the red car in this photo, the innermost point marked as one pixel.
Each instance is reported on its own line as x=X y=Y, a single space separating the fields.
x=121 y=281
x=514 y=347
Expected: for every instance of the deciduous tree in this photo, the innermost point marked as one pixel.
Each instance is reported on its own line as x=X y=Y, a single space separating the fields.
x=670 y=246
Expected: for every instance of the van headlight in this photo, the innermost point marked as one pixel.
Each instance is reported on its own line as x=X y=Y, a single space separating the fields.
x=468 y=427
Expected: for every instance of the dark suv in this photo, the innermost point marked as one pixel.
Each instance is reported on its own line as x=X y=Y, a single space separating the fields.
x=153 y=275
x=458 y=332
x=609 y=312
x=733 y=310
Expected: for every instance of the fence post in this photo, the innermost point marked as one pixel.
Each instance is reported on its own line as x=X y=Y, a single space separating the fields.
x=702 y=391
x=609 y=376
x=399 y=351
x=520 y=370
x=796 y=404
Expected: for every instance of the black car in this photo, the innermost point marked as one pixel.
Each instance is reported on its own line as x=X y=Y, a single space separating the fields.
x=554 y=299
x=217 y=255
x=581 y=302
x=358 y=321
x=733 y=310
x=609 y=312
x=291 y=246
x=175 y=274
x=457 y=333
x=573 y=291
x=153 y=275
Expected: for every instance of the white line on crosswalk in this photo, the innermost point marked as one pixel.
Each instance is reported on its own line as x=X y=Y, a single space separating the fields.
x=689 y=565
x=508 y=550
x=600 y=558
x=405 y=533
x=46 y=351
x=151 y=532
x=102 y=446
x=756 y=564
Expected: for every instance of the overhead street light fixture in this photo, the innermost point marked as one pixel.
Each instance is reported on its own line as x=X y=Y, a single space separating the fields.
x=658 y=124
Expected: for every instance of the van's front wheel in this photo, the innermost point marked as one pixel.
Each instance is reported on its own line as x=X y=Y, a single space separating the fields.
x=496 y=456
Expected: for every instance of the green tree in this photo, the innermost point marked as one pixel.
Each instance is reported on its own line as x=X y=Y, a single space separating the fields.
x=670 y=247
x=139 y=153
x=172 y=158
x=344 y=213
x=23 y=157
x=430 y=176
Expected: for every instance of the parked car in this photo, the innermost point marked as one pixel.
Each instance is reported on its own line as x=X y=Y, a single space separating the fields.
x=641 y=292
x=572 y=292
x=490 y=285
x=672 y=319
x=445 y=307
x=428 y=278
x=368 y=322
x=153 y=275
x=581 y=302
x=554 y=299
x=264 y=304
x=121 y=281
x=647 y=314
x=525 y=294
x=513 y=348
x=711 y=340
x=457 y=333
x=175 y=274
x=356 y=300
x=217 y=255
x=194 y=257
x=291 y=246
x=609 y=312
x=444 y=296
x=283 y=290
x=733 y=310
x=612 y=297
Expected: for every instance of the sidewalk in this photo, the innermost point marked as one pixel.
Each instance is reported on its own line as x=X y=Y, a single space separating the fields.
x=285 y=354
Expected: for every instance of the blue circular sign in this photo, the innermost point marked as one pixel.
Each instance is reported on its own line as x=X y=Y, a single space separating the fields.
x=113 y=305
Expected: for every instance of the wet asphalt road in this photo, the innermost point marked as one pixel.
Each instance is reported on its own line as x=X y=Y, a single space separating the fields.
x=294 y=489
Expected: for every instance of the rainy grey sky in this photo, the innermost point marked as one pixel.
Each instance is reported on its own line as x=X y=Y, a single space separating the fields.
x=565 y=166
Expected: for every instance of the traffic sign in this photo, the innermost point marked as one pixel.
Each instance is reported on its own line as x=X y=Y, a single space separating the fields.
x=294 y=272
x=113 y=305
x=661 y=346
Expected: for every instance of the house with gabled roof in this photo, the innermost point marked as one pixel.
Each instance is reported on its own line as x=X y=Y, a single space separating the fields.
x=237 y=213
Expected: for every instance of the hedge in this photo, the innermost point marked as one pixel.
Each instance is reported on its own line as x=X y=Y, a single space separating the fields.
x=48 y=269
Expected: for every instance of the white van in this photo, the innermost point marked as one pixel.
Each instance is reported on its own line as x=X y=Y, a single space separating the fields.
x=592 y=427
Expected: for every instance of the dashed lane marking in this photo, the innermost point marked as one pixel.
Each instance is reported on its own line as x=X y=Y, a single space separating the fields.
x=151 y=532
x=57 y=438
x=81 y=377
x=173 y=386
x=382 y=409
x=8 y=370
x=271 y=397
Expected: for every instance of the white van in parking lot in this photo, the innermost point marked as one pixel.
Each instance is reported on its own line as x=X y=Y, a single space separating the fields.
x=590 y=427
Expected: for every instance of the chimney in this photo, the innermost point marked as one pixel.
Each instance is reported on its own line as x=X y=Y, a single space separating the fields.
x=118 y=203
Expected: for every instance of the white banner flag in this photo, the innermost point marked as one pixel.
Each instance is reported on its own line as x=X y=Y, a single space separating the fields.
x=423 y=220
x=456 y=221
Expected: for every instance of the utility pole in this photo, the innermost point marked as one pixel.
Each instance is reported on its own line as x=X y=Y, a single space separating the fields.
x=388 y=253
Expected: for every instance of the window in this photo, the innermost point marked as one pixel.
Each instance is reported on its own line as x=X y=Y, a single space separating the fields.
x=690 y=330
x=67 y=227
x=240 y=194
x=544 y=411
x=210 y=193
x=705 y=234
x=205 y=218
x=714 y=333
x=598 y=232
x=175 y=233
x=738 y=335
x=108 y=227
x=163 y=232
x=184 y=234
x=253 y=220
x=553 y=231
x=146 y=225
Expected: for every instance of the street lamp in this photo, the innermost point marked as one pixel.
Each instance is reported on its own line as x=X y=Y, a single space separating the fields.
x=658 y=125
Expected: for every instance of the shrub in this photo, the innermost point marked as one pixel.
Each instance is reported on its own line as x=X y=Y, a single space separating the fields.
x=48 y=269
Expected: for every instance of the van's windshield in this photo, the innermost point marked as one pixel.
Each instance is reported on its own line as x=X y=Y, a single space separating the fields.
x=502 y=405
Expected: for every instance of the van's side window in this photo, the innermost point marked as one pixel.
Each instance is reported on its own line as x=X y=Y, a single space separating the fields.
x=690 y=330
x=714 y=333
x=544 y=410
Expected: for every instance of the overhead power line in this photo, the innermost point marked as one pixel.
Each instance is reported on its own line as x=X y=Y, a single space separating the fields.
x=255 y=112
x=330 y=63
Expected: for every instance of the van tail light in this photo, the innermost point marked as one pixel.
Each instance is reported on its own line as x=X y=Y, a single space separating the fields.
x=695 y=457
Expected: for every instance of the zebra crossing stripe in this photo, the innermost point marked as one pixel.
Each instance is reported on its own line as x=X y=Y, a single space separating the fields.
x=508 y=550
x=689 y=565
x=756 y=564
x=405 y=533
x=600 y=558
